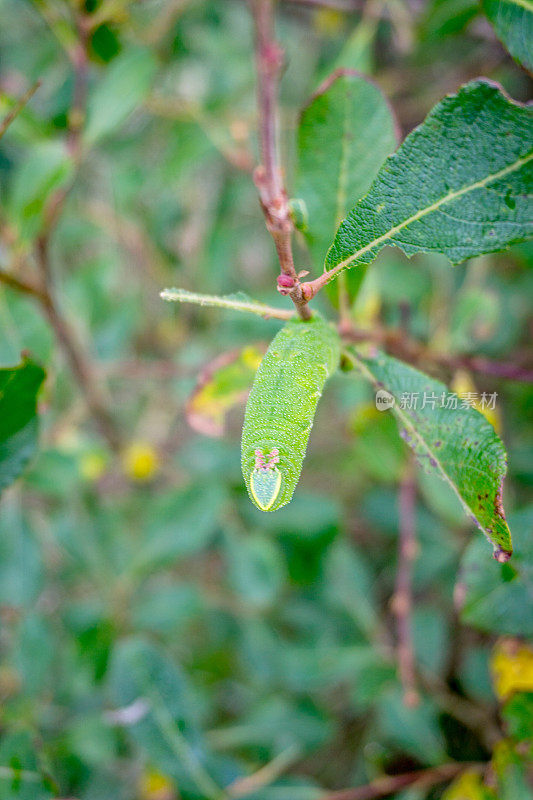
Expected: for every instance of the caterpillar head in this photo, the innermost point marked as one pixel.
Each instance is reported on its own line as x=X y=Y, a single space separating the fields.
x=265 y=480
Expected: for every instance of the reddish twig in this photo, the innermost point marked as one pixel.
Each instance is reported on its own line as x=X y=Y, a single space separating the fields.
x=390 y=784
x=267 y=176
x=513 y=372
x=22 y=285
x=15 y=111
x=397 y=342
x=402 y=601
x=80 y=63
x=80 y=364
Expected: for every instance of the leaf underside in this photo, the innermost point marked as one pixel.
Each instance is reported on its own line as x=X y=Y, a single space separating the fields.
x=460 y=445
x=459 y=185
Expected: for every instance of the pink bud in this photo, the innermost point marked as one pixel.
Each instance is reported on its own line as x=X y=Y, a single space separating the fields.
x=285 y=281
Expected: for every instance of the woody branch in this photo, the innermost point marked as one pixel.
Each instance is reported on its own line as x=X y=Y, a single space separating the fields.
x=268 y=176
x=402 y=601
x=44 y=292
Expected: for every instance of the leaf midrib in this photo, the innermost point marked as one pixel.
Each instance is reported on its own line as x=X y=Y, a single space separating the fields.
x=428 y=210
x=406 y=420
x=343 y=165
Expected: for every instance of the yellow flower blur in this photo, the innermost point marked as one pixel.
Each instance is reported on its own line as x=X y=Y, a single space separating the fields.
x=140 y=461
x=512 y=668
x=156 y=786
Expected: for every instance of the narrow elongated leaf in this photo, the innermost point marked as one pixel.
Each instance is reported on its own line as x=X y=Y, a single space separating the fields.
x=458 y=185
x=123 y=88
x=47 y=168
x=150 y=689
x=233 y=302
x=513 y=20
x=456 y=443
x=21 y=776
x=345 y=134
x=18 y=418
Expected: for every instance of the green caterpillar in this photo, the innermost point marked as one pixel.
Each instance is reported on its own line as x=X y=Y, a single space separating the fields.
x=281 y=408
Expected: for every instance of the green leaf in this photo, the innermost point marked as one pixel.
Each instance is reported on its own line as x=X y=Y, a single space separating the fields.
x=154 y=700
x=122 y=89
x=277 y=724
x=18 y=418
x=456 y=443
x=359 y=50
x=513 y=20
x=21 y=776
x=348 y=584
x=182 y=525
x=256 y=570
x=21 y=562
x=415 y=730
x=518 y=716
x=47 y=168
x=458 y=185
x=345 y=133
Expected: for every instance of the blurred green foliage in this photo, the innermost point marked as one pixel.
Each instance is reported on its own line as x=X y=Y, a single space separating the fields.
x=160 y=637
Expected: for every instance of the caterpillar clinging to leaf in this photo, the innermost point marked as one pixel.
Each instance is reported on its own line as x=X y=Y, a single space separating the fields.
x=281 y=408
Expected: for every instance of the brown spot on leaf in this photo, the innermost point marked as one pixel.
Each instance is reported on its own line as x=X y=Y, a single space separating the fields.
x=501 y=556
x=498 y=504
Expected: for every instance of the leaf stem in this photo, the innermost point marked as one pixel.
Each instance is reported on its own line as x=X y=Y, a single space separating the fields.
x=19 y=105
x=242 y=787
x=182 y=749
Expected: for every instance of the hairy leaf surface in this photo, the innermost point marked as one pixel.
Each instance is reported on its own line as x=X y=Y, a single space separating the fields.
x=233 y=302
x=460 y=184
x=281 y=409
x=458 y=444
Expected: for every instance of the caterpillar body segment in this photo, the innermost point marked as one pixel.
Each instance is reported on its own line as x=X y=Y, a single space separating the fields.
x=281 y=409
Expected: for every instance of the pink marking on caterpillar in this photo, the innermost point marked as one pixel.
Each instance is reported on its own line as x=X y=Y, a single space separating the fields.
x=261 y=463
